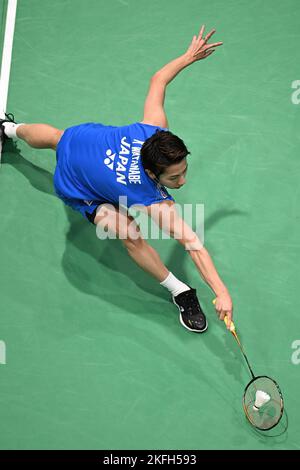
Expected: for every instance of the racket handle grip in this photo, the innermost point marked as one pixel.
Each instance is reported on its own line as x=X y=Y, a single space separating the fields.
x=232 y=326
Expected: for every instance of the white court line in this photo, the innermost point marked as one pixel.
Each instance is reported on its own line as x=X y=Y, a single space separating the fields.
x=6 y=56
x=7 y=53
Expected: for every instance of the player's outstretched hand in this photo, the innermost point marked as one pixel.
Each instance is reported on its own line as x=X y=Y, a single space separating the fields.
x=199 y=49
x=223 y=305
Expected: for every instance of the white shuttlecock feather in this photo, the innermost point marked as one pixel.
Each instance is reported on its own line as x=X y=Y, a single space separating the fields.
x=261 y=398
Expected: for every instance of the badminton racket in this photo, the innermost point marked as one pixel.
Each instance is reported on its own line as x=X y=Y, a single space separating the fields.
x=262 y=398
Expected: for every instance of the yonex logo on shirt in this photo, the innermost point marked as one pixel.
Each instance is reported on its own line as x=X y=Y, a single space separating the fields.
x=109 y=161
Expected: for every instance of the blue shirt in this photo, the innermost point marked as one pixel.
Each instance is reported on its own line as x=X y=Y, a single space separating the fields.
x=101 y=163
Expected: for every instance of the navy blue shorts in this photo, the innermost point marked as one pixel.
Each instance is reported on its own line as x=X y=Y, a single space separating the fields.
x=88 y=211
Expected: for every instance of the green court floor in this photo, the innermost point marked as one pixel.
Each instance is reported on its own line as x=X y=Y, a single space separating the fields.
x=95 y=355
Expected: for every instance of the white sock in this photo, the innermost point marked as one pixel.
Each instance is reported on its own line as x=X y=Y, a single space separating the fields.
x=174 y=285
x=10 y=129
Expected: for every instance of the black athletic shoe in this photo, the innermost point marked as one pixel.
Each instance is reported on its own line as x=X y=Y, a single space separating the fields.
x=191 y=315
x=8 y=118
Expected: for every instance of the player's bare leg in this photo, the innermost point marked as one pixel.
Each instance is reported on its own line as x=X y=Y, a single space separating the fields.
x=41 y=136
x=125 y=228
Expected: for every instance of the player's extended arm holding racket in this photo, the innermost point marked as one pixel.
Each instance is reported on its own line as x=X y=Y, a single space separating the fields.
x=166 y=216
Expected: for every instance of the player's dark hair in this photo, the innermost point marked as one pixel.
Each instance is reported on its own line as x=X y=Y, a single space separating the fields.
x=161 y=150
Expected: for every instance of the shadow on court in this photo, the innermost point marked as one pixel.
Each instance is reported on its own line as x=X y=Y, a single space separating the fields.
x=116 y=283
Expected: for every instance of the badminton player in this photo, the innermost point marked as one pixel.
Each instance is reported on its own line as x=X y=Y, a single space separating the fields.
x=97 y=164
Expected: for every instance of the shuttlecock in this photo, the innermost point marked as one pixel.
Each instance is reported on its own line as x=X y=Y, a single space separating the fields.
x=261 y=398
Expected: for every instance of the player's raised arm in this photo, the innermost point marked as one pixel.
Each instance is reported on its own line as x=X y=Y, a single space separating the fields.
x=154 y=112
x=198 y=49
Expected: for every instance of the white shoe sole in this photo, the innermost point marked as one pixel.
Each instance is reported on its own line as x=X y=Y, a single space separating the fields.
x=182 y=322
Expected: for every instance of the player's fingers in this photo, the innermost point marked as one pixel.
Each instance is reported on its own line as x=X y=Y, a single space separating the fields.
x=209 y=35
x=194 y=40
x=215 y=44
x=218 y=309
x=222 y=315
x=201 y=31
x=209 y=52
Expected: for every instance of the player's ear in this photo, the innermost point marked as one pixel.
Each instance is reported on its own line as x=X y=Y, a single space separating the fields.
x=150 y=174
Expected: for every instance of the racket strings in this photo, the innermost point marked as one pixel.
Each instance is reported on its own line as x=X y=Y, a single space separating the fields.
x=263 y=413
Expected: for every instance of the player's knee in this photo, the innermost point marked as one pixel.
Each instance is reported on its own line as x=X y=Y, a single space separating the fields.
x=118 y=224
x=132 y=244
x=106 y=221
x=134 y=240
x=57 y=134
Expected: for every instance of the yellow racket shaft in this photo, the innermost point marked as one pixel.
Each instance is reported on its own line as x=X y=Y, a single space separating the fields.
x=234 y=333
